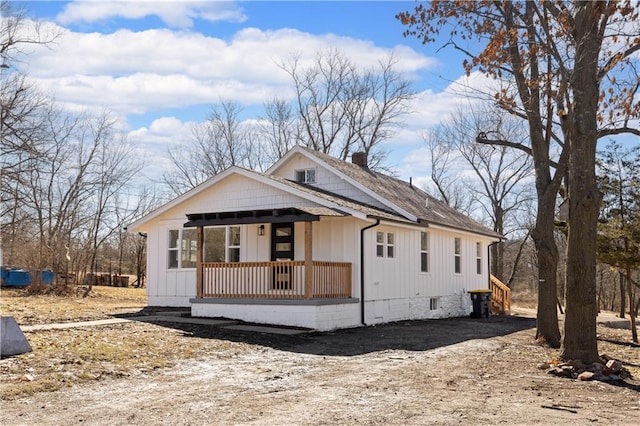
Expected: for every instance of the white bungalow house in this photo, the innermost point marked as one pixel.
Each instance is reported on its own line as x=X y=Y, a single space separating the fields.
x=314 y=242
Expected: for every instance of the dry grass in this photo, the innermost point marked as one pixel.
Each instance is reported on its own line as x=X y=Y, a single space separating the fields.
x=103 y=302
x=66 y=357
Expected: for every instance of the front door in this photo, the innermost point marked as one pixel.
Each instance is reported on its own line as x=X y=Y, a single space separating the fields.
x=282 y=249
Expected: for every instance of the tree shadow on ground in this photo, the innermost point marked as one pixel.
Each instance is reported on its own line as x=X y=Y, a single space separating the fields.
x=404 y=335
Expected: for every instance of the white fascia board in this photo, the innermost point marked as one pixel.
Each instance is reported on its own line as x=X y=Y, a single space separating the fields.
x=410 y=226
x=358 y=185
x=464 y=232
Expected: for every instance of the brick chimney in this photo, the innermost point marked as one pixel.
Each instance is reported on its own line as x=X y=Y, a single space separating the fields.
x=360 y=159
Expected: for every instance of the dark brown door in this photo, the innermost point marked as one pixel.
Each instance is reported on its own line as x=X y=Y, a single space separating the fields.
x=282 y=249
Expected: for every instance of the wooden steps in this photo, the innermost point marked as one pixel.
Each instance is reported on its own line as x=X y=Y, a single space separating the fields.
x=500 y=297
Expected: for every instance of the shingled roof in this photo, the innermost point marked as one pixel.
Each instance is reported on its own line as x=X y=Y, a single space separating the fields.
x=405 y=196
x=368 y=210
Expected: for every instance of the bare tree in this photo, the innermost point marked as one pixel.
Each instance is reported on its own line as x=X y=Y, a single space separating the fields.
x=619 y=225
x=61 y=173
x=23 y=112
x=112 y=170
x=342 y=108
x=63 y=200
x=446 y=164
x=131 y=248
x=503 y=175
x=278 y=128
x=17 y=32
x=222 y=141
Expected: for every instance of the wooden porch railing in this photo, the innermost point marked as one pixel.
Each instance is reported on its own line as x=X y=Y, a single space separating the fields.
x=275 y=280
x=500 y=297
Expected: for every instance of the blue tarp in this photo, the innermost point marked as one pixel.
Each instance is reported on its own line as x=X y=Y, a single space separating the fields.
x=16 y=277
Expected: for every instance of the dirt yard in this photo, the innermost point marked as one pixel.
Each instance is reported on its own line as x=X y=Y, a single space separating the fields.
x=454 y=371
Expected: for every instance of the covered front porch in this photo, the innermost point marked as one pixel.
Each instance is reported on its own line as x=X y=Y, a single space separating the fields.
x=281 y=277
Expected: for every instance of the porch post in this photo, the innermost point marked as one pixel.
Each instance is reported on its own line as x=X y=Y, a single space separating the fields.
x=308 y=260
x=199 y=243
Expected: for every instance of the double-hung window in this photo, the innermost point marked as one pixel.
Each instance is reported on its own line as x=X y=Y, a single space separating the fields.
x=457 y=255
x=183 y=247
x=478 y=258
x=424 y=252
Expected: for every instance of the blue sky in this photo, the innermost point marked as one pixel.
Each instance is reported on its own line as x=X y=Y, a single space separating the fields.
x=159 y=65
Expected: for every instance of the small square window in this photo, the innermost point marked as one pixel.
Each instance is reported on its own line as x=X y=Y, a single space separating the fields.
x=433 y=303
x=173 y=238
x=234 y=254
x=385 y=245
x=173 y=259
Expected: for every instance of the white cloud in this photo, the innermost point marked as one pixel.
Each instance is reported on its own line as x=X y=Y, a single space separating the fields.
x=162 y=133
x=176 y=14
x=141 y=71
x=153 y=143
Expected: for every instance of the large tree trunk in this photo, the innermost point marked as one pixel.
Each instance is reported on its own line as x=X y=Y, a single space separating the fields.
x=547 y=329
x=497 y=261
x=497 y=250
x=580 y=341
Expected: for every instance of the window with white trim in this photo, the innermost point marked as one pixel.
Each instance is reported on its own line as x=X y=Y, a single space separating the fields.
x=174 y=249
x=424 y=252
x=385 y=244
x=306 y=176
x=457 y=255
x=221 y=244
x=478 y=258
x=183 y=248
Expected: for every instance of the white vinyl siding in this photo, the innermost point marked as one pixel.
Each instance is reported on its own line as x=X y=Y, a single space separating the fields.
x=237 y=193
x=401 y=277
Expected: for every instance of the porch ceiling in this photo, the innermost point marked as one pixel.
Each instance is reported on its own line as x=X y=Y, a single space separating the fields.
x=300 y=214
